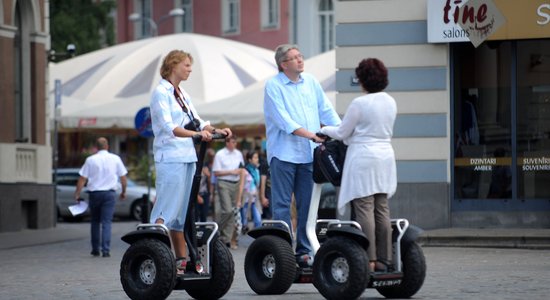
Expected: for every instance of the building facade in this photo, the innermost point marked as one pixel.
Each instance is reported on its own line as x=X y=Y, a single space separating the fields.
x=26 y=192
x=472 y=85
x=264 y=23
x=261 y=23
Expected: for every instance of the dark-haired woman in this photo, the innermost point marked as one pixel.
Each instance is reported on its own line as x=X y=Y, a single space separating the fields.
x=369 y=178
x=249 y=191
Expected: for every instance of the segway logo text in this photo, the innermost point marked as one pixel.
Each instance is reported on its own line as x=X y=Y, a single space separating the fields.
x=386 y=283
x=334 y=165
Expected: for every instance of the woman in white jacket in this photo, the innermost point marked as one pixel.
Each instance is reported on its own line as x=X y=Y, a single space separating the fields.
x=369 y=178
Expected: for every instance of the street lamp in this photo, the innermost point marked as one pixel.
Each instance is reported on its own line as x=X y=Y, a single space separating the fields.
x=176 y=12
x=53 y=56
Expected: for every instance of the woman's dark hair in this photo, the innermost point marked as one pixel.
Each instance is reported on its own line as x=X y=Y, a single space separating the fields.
x=250 y=154
x=372 y=75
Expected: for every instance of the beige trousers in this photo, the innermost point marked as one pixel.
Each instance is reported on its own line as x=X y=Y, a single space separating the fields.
x=373 y=214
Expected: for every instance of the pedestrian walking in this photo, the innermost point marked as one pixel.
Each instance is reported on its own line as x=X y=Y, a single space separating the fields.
x=101 y=173
x=227 y=167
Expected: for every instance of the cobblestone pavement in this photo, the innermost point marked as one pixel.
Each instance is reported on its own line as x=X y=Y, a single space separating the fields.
x=65 y=270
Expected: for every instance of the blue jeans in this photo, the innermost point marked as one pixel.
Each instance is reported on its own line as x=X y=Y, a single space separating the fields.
x=286 y=179
x=256 y=217
x=201 y=210
x=102 y=208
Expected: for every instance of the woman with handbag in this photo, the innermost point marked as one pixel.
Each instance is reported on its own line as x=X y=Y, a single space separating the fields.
x=369 y=177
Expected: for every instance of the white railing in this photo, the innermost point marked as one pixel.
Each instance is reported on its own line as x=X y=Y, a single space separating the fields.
x=25 y=163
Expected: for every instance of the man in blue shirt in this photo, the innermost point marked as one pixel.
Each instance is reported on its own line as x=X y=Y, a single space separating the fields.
x=295 y=106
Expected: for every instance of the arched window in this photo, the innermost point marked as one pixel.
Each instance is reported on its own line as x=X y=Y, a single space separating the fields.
x=326 y=24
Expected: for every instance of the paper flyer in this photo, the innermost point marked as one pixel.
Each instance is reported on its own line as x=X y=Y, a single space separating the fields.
x=79 y=208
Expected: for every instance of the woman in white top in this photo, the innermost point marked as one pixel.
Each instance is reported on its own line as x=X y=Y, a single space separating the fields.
x=174 y=121
x=369 y=178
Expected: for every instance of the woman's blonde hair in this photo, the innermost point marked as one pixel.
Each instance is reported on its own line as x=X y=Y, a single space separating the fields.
x=171 y=60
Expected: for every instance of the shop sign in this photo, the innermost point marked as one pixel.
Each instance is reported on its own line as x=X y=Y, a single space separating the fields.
x=535 y=163
x=464 y=20
x=480 y=18
x=87 y=122
x=543 y=11
x=481 y=164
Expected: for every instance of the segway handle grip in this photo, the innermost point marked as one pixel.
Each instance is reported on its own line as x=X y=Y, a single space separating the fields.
x=219 y=136
x=197 y=138
x=321 y=135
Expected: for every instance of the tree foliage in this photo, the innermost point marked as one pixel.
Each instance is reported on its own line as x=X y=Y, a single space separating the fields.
x=88 y=24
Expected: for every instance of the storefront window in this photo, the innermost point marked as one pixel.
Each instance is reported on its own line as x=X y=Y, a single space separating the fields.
x=501 y=98
x=533 y=119
x=482 y=120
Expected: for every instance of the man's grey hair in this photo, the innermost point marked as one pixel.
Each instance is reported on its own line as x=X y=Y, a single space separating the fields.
x=280 y=54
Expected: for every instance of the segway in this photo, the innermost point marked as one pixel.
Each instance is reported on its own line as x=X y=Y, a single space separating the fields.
x=340 y=268
x=148 y=267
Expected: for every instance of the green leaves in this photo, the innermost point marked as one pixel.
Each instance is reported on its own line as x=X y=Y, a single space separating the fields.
x=87 y=24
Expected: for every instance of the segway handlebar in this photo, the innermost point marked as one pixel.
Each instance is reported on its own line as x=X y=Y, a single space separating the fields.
x=197 y=138
x=321 y=135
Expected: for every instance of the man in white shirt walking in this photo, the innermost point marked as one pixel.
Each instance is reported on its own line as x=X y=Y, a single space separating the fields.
x=228 y=164
x=102 y=171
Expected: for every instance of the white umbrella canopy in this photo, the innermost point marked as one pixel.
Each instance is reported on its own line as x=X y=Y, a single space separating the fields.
x=247 y=107
x=106 y=88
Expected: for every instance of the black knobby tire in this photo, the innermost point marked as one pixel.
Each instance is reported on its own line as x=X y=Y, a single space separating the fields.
x=414 y=272
x=340 y=269
x=270 y=265
x=223 y=271
x=147 y=270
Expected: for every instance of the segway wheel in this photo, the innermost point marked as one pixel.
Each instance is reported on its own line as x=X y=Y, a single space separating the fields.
x=414 y=272
x=223 y=270
x=147 y=270
x=269 y=265
x=340 y=269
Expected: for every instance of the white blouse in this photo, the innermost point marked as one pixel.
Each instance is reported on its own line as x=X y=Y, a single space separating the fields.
x=367 y=129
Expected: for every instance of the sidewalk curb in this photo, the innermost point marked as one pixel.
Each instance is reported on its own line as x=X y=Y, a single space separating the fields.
x=487 y=242
x=520 y=238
